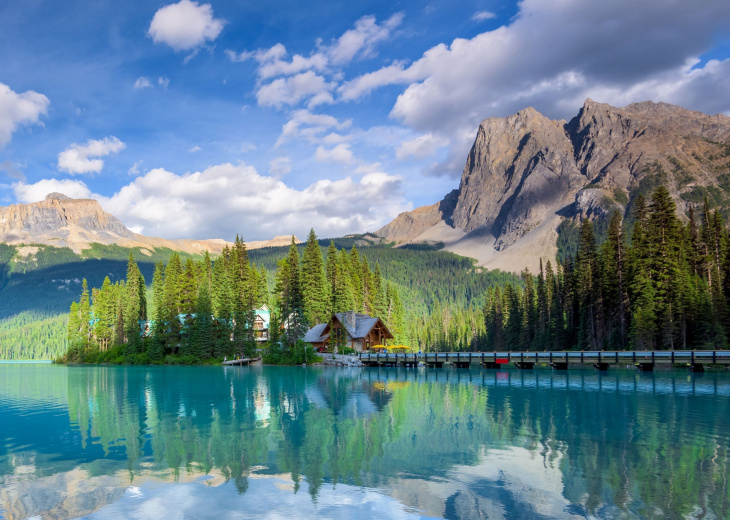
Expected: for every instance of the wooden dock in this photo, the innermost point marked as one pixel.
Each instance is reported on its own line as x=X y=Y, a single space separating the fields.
x=243 y=361
x=644 y=360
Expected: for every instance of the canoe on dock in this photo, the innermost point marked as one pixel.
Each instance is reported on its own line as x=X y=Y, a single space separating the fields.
x=243 y=361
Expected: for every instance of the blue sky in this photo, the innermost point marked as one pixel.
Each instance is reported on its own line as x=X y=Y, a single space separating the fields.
x=203 y=120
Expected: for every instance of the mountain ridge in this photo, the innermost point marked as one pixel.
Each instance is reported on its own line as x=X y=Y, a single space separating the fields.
x=61 y=221
x=526 y=173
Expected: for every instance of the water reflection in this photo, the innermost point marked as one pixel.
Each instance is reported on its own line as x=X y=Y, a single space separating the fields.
x=129 y=442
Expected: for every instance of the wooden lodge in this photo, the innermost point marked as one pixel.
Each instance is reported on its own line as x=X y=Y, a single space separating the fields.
x=352 y=329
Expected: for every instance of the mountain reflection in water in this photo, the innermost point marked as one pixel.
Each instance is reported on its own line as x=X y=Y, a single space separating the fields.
x=263 y=442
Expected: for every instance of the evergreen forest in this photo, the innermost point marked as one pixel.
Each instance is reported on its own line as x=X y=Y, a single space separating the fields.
x=656 y=283
x=649 y=279
x=204 y=310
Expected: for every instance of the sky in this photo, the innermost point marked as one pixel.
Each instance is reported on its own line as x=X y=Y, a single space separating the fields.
x=211 y=119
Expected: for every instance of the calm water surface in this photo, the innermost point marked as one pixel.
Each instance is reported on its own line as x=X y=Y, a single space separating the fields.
x=269 y=442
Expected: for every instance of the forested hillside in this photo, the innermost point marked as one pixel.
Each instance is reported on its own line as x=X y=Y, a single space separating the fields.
x=38 y=284
x=657 y=283
x=649 y=280
x=204 y=309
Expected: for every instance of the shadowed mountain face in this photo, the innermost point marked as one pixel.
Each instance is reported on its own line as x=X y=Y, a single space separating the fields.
x=525 y=173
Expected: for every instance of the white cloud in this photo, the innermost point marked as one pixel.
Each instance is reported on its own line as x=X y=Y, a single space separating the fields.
x=85 y=158
x=422 y=146
x=480 y=16
x=279 y=166
x=394 y=74
x=163 y=81
x=195 y=148
x=37 y=191
x=275 y=53
x=142 y=83
x=135 y=168
x=362 y=39
x=340 y=153
x=292 y=90
x=162 y=203
x=303 y=123
x=19 y=109
x=185 y=25
x=300 y=77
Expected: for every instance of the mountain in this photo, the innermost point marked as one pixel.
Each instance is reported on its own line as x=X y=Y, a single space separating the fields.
x=77 y=223
x=526 y=174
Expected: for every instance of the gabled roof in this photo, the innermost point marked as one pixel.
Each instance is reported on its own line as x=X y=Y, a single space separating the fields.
x=316 y=334
x=363 y=325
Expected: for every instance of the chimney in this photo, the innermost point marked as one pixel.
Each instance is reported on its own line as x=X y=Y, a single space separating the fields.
x=351 y=319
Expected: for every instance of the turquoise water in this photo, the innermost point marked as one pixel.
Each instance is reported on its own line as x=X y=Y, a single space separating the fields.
x=317 y=442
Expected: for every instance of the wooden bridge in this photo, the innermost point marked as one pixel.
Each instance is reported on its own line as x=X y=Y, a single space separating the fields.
x=644 y=360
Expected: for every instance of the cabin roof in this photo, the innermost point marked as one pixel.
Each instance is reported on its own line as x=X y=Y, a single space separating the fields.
x=316 y=334
x=363 y=325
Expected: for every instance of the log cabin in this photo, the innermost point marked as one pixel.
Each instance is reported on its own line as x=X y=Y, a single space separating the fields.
x=350 y=329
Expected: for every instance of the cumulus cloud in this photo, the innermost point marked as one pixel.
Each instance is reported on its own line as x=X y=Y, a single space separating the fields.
x=163 y=81
x=340 y=153
x=37 y=191
x=292 y=90
x=279 y=166
x=85 y=158
x=142 y=83
x=192 y=205
x=194 y=149
x=19 y=109
x=294 y=79
x=421 y=147
x=362 y=38
x=185 y=25
x=305 y=124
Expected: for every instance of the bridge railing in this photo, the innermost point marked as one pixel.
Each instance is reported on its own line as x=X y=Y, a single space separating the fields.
x=585 y=357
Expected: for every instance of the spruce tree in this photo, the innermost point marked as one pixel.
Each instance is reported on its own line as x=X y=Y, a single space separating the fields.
x=134 y=306
x=314 y=283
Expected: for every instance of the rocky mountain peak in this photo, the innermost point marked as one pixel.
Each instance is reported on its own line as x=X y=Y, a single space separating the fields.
x=57 y=196
x=61 y=221
x=525 y=173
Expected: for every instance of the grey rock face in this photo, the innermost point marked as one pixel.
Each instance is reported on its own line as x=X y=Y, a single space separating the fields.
x=525 y=169
x=56 y=215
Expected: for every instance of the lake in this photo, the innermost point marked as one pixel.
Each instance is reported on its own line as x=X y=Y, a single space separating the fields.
x=319 y=442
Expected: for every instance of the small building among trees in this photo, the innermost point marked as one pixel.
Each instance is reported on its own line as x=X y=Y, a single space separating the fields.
x=349 y=329
x=262 y=317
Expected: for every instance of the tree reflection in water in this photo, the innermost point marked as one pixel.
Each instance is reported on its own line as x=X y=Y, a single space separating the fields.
x=455 y=444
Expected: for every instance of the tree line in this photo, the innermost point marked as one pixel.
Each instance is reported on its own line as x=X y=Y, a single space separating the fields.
x=205 y=309
x=654 y=283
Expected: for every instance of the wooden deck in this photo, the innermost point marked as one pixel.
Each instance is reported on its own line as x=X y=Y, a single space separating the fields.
x=601 y=360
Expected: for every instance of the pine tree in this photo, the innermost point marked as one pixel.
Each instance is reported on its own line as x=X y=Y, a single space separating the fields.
x=613 y=259
x=290 y=302
x=188 y=288
x=135 y=303
x=379 y=300
x=202 y=327
x=314 y=283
